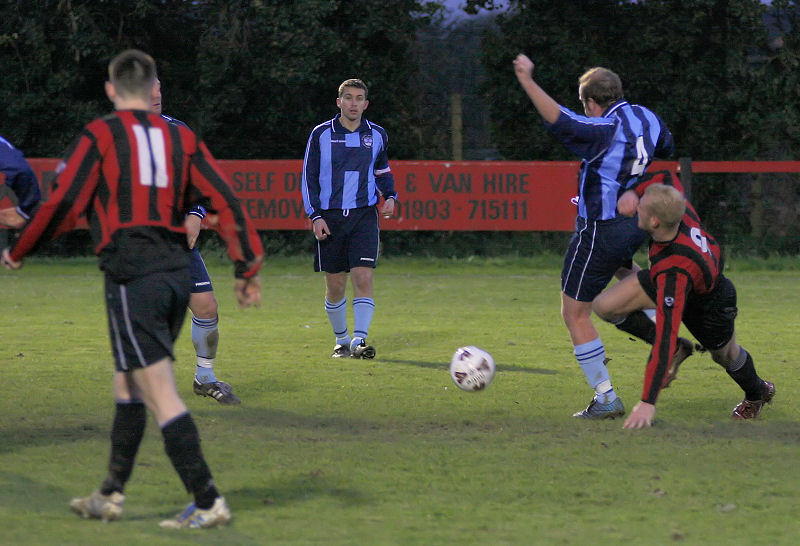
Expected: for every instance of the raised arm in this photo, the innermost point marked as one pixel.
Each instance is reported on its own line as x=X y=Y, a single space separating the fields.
x=548 y=108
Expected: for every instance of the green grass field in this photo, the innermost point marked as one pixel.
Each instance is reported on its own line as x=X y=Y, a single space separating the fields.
x=389 y=451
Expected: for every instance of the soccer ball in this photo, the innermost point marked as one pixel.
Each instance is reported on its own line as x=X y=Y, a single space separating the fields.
x=472 y=368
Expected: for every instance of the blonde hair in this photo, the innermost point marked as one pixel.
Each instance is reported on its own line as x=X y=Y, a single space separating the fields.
x=666 y=203
x=132 y=73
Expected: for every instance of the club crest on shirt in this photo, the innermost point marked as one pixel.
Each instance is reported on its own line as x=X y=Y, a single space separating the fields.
x=669 y=301
x=366 y=140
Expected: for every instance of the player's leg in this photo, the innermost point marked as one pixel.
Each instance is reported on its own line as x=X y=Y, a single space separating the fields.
x=591 y=356
x=205 y=335
x=331 y=258
x=711 y=320
x=363 y=309
x=130 y=416
x=145 y=317
x=632 y=268
x=127 y=430
x=156 y=382
x=9 y=213
x=738 y=363
x=142 y=330
x=364 y=244
x=586 y=271
x=336 y=309
x=622 y=306
x=205 y=331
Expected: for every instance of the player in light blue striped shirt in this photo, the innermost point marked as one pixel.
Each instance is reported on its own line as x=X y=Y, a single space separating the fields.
x=617 y=141
x=345 y=173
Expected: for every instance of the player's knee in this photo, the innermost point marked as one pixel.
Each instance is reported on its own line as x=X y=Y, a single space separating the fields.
x=722 y=357
x=362 y=280
x=726 y=355
x=203 y=305
x=576 y=318
x=602 y=309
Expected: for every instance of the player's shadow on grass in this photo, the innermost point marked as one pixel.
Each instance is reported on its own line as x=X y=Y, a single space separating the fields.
x=34 y=435
x=296 y=488
x=500 y=367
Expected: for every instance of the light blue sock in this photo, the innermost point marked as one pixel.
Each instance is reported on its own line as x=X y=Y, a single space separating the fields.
x=591 y=356
x=205 y=338
x=337 y=314
x=363 y=308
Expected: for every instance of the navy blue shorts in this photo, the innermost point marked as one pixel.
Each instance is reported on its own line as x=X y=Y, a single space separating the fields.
x=201 y=281
x=353 y=242
x=597 y=249
x=145 y=316
x=709 y=317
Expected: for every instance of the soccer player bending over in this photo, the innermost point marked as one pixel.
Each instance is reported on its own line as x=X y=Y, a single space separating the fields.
x=19 y=188
x=133 y=174
x=685 y=283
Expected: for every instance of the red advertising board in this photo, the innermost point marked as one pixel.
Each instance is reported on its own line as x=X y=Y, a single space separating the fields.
x=433 y=195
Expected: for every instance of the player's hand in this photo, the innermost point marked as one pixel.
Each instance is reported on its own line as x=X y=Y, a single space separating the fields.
x=321 y=229
x=523 y=67
x=192 y=224
x=627 y=203
x=248 y=291
x=8 y=263
x=641 y=416
x=387 y=209
x=9 y=217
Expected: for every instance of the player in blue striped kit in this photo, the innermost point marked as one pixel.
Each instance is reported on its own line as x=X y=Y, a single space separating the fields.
x=345 y=172
x=18 y=204
x=617 y=141
x=202 y=303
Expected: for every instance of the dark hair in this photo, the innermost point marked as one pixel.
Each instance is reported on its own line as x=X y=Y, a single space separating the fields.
x=353 y=82
x=132 y=72
x=602 y=85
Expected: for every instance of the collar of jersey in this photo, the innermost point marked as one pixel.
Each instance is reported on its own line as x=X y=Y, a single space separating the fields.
x=614 y=108
x=337 y=126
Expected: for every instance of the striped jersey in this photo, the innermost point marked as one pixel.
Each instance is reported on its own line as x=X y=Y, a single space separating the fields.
x=19 y=178
x=345 y=169
x=682 y=269
x=134 y=174
x=616 y=150
x=196 y=208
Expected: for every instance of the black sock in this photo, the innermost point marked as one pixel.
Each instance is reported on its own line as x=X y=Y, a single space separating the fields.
x=127 y=430
x=182 y=444
x=639 y=325
x=746 y=377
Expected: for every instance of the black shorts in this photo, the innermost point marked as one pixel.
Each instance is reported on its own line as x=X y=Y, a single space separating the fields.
x=201 y=280
x=596 y=251
x=709 y=317
x=353 y=242
x=145 y=316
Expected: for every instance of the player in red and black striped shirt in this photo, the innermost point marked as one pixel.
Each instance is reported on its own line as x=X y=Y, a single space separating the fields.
x=685 y=284
x=133 y=174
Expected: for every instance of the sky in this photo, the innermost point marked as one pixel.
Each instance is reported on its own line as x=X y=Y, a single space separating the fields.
x=455 y=8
